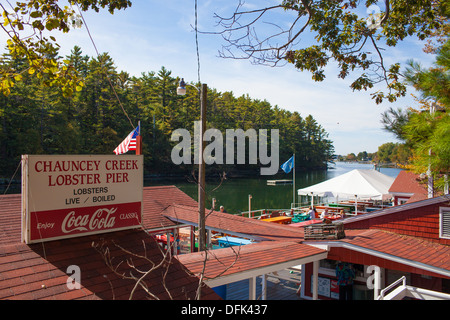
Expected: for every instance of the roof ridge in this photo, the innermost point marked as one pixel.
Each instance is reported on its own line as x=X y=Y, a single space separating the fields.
x=181 y=205
x=161 y=187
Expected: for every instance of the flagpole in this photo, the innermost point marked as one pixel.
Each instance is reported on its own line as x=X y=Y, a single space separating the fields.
x=293 y=182
x=139 y=140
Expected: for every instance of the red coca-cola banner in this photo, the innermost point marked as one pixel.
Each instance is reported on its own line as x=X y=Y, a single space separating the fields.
x=56 y=224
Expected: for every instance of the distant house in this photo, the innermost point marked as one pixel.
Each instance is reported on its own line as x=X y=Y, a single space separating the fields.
x=406 y=188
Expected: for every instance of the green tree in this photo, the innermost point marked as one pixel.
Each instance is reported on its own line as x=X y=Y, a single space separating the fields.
x=318 y=149
x=167 y=113
x=394 y=120
x=426 y=130
x=351 y=157
x=433 y=83
x=362 y=156
x=385 y=152
x=36 y=118
x=27 y=26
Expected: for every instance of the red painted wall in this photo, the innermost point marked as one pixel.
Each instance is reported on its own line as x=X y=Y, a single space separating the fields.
x=347 y=255
x=342 y=254
x=417 y=222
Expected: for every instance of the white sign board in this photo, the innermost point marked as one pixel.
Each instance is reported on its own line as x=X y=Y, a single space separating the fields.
x=74 y=195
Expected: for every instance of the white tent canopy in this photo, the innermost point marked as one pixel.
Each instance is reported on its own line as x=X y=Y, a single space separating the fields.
x=362 y=184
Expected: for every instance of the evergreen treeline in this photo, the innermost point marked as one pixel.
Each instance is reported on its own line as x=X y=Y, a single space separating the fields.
x=39 y=119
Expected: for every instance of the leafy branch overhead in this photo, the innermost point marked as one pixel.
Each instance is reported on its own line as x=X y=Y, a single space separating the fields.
x=426 y=131
x=350 y=33
x=29 y=25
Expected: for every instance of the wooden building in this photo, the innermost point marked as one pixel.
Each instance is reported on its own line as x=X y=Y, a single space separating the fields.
x=48 y=270
x=406 y=188
x=410 y=241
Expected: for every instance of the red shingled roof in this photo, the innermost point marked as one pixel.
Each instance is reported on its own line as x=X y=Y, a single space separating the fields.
x=156 y=199
x=426 y=252
x=417 y=197
x=385 y=242
x=39 y=271
x=408 y=182
x=412 y=250
x=225 y=222
x=419 y=219
x=10 y=219
x=223 y=262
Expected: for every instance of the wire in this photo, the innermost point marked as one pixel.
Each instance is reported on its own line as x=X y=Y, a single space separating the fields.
x=107 y=77
x=10 y=181
x=196 y=43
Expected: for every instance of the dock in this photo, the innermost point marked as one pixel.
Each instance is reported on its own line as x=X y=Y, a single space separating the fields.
x=278 y=182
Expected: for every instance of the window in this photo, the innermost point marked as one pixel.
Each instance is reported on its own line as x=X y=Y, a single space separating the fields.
x=444 y=222
x=328 y=267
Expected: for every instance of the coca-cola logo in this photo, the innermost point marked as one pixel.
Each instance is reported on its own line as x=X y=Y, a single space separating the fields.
x=99 y=220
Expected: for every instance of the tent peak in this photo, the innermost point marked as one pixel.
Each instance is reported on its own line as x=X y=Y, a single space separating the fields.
x=362 y=183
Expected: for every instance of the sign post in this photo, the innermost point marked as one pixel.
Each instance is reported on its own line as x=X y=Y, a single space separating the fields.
x=76 y=195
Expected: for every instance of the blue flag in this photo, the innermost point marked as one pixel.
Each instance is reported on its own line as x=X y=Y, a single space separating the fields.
x=288 y=165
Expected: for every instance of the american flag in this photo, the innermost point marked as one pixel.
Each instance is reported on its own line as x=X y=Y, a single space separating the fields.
x=129 y=143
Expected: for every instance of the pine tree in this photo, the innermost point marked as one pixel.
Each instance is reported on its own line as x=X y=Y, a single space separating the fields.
x=428 y=130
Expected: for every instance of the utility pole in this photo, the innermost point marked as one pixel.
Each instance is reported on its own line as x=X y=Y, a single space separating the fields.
x=201 y=173
x=181 y=90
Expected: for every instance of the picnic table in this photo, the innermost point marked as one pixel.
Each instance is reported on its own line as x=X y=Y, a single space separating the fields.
x=333 y=218
x=299 y=217
x=279 y=220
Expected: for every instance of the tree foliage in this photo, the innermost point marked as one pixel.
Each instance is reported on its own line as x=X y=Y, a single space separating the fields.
x=426 y=130
x=30 y=27
x=350 y=33
x=391 y=152
x=38 y=119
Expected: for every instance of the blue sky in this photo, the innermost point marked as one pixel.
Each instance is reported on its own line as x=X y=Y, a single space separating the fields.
x=156 y=33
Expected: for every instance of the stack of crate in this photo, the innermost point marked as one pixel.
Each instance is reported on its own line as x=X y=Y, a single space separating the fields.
x=323 y=231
